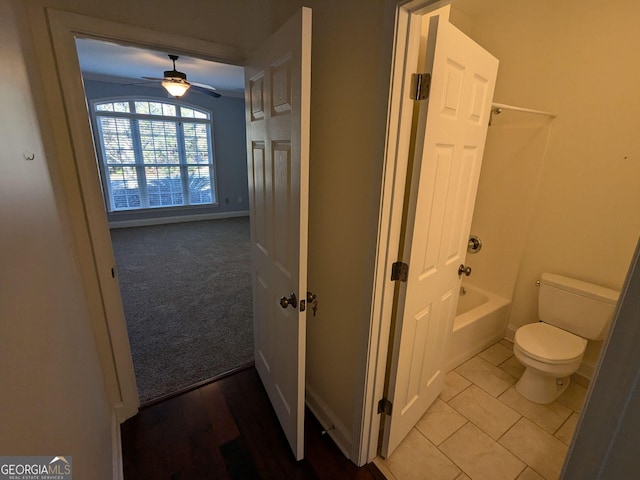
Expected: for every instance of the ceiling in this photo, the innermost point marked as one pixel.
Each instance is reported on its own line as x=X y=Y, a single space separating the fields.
x=106 y=61
x=100 y=60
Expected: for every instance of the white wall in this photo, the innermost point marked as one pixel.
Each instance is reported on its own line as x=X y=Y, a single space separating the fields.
x=53 y=398
x=575 y=59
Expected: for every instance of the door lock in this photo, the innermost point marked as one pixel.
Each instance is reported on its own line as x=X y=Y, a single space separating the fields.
x=292 y=300
x=312 y=299
x=462 y=269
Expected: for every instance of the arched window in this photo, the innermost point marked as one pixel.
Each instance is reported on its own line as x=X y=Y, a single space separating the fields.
x=154 y=154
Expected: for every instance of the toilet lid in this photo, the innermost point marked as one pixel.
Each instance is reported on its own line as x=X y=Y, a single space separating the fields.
x=549 y=344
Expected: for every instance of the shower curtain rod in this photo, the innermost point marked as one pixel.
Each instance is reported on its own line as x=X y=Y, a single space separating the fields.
x=503 y=106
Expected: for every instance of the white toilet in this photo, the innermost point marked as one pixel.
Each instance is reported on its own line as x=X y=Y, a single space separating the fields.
x=570 y=312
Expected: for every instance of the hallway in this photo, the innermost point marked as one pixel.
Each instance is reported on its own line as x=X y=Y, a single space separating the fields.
x=227 y=430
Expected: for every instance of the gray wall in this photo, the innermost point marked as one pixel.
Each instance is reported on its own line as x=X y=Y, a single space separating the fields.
x=230 y=149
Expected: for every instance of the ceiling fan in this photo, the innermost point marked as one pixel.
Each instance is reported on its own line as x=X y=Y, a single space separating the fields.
x=176 y=83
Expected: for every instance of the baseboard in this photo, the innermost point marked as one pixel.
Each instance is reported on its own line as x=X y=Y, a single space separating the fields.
x=116 y=448
x=586 y=370
x=144 y=222
x=510 y=332
x=329 y=421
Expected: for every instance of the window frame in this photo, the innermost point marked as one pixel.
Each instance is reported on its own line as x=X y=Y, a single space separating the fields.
x=139 y=162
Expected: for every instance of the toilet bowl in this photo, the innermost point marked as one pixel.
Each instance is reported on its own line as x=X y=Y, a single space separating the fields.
x=551 y=355
x=570 y=312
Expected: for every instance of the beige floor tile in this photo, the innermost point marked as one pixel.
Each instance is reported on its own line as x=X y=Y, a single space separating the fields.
x=472 y=449
x=439 y=422
x=418 y=459
x=565 y=432
x=542 y=452
x=530 y=474
x=453 y=385
x=479 y=456
x=496 y=354
x=506 y=343
x=513 y=367
x=549 y=417
x=574 y=396
x=488 y=377
x=488 y=413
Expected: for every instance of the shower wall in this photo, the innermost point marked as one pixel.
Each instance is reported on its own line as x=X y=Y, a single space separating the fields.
x=507 y=190
x=511 y=167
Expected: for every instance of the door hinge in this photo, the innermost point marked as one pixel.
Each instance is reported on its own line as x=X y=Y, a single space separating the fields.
x=420 y=85
x=399 y=271
x=385 y=406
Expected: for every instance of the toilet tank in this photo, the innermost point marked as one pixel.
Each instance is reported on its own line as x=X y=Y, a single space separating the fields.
x=579 y=307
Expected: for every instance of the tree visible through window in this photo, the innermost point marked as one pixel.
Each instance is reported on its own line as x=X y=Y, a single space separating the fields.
x=154 y=154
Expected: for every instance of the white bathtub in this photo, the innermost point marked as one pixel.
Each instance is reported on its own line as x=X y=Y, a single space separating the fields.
x=481 y=320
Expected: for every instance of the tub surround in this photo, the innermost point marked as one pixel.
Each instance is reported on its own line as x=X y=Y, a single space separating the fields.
x=481 y=319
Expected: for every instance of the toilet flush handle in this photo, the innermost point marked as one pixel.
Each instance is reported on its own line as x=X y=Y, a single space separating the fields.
x=462 y=269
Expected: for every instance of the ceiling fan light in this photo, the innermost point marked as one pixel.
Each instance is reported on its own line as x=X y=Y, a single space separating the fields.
x=175 y=88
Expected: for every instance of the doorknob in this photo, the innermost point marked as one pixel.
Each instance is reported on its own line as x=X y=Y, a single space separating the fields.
x=466 y=270
x=292 y=300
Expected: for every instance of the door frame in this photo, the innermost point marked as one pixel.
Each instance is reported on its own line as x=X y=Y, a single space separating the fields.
x=80 y=183
x=406 y=42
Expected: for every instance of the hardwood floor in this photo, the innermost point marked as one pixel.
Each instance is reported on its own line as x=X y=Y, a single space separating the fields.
x=227 y=430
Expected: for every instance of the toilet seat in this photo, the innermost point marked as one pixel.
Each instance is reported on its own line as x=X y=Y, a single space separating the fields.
x=549 y=344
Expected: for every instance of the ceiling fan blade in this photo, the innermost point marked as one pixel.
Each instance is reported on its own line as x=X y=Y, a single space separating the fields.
x=137 y=83
x=206 y=91
x=203 y=85
x=154 y=78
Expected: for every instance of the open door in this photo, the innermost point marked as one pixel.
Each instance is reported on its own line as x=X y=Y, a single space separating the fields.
x=450 y=139
x=277 y=86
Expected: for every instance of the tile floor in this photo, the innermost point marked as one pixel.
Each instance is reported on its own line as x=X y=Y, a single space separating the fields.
x=481 y=428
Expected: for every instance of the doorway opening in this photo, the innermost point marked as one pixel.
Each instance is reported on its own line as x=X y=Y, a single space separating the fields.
x=173 y=174
x=288 y=72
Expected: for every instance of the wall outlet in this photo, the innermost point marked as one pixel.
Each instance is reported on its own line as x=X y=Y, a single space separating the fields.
x=239 y=199
x=226 y=200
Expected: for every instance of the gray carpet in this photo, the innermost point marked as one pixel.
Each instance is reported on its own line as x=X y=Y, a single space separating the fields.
x=186 y=291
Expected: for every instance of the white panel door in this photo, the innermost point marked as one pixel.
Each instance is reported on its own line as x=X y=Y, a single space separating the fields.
x=277 y=85
x=443 y=189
